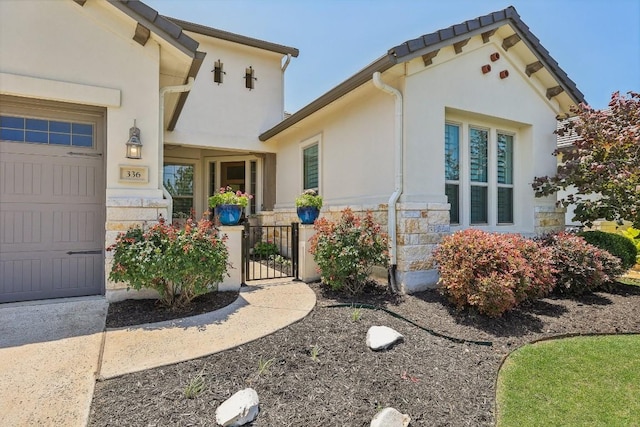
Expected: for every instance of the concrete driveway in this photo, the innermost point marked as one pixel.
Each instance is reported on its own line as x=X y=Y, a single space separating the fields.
x=49 y=356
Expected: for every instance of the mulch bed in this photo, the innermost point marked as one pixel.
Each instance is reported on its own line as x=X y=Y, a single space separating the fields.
x=438 y=382
x=136 y=312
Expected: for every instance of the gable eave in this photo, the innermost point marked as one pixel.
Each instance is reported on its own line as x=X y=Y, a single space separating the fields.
x=482 y=25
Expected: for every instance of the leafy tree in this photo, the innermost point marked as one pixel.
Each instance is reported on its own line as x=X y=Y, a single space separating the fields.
x=604 y=162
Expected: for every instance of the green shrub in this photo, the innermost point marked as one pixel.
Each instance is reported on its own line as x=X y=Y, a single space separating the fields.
x=634 y=236
x=178 y=263
x=347 y=250
x=265 y=249
x=492 y=272
x=580 y=267
x=619 y=246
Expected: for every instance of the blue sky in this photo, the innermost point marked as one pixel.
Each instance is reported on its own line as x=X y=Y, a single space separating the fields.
x=596 y=42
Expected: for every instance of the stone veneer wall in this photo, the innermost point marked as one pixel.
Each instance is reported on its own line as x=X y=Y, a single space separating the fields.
x=420 y=226
x=122 y=214
x=549 y=219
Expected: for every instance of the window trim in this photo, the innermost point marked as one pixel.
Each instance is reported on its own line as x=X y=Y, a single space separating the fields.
x=307 y=143
x=493 y=128
x=217 y=160
x=512 y=186
x=459 y=180
x=185 y=162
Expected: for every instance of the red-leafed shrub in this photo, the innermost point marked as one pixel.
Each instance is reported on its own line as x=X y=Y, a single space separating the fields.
x=492 y=272
x=348 y=249
x=581 y=267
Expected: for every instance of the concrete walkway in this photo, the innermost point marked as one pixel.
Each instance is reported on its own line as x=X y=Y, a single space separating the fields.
x=51 y=354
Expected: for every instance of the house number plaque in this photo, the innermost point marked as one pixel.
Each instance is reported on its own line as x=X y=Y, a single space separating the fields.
x=134 y=173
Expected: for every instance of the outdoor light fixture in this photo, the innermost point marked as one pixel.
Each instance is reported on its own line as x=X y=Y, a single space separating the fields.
x=134 y=146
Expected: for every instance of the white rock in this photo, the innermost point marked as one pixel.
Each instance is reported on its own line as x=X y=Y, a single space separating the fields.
x=239 y=409
x=381 y=337
x=390 y=417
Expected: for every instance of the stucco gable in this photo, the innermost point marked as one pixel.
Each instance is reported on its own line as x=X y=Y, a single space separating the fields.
x=427 y=47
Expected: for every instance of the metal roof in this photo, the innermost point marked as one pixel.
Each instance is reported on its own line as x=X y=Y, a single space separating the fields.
x=159 y=24
x=429 y=43
x=236 y=38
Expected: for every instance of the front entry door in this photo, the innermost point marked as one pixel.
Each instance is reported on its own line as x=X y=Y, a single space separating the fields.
x=232 y=174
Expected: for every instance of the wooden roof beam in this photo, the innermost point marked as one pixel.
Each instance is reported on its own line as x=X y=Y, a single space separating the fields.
x=428 y=57
x=487 y=35
x=458 y=46
x=142 y=34
x=554 y=91
x=510 y=41
x=534 y=67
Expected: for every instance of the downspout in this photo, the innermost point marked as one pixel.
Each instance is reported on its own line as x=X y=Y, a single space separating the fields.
x=393 y=200
x=286 y=63
x=163 y=91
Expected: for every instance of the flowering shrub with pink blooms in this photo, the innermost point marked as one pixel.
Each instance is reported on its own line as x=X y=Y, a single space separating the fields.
x=178 y=263
x=347 y=250
x=492 y=272
x=579 y=266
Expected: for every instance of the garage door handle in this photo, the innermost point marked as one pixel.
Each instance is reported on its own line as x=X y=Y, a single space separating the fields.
x=98 y=252
x=72 y=153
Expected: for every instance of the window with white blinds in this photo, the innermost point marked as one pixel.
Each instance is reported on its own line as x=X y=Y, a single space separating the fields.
x=479 y=174
x=310 y=167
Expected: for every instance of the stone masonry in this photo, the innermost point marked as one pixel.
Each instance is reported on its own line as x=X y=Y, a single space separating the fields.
x=122 y=214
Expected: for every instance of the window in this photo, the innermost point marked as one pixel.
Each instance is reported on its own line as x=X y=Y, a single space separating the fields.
x=505 y=178
x=51 y=132
x=478 y=157
x=452 y=170
x=310 y=167
x=178 y=180
x=479 y=175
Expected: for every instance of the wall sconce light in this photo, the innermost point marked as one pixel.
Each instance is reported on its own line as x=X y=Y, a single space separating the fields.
x=218 y=71
x=249 y=77
x=134 y=146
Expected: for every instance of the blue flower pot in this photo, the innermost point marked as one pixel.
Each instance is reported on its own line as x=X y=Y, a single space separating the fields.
x=228 y=214
x=308 y=214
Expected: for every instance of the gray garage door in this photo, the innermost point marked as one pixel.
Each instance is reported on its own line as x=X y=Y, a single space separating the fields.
x=52 y=192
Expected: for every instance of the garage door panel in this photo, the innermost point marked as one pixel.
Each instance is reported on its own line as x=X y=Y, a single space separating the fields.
x=53 y=178
x=20 y=276
x=52 y=196
x=43 y=274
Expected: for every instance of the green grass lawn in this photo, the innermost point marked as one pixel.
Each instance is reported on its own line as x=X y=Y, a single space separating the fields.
x=582 y=381
x=629 y=281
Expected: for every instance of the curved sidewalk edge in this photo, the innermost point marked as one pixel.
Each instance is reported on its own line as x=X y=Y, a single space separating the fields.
x=258 y=311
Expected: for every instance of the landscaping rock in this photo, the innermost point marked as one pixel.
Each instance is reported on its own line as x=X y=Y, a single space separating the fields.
x=240 y=409
x=390 y=417
x=382 y=337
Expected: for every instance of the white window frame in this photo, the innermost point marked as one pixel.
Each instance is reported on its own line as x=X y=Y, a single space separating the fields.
x=197 y=208
x=208 y=160
x=499 y=131
x=457 y=182
x=307 y=143
x=464 y=183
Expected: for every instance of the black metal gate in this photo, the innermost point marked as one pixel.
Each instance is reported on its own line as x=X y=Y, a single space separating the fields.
x=270 y=252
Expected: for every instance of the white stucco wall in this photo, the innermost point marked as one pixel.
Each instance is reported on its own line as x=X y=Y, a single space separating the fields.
x=455 y=89
x=228 y=115
x=78 y=54
x=357 y=132
x=356 y=152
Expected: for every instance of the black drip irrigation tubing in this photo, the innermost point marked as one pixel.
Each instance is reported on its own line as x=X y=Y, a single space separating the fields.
x=396 y=315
